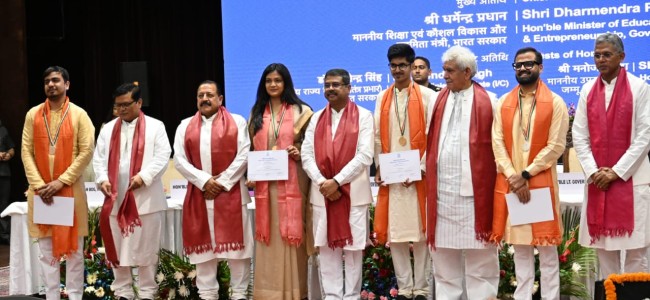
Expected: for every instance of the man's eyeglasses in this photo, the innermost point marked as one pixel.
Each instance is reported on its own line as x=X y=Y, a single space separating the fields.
x=606 y=55
x=402 y=67
x=526 y=64
x=334 y=85
x=123 y=105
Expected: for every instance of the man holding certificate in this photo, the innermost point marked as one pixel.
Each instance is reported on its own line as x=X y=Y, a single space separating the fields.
x=132 y=154
x=528 y=137
x=211 y=149
x=57 y=145
x=336 y=153
x=460 y=183
x=400 y=125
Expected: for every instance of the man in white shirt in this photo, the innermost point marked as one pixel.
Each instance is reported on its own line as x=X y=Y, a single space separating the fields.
x=337 y=162
x=211 y=152
x=131 y=156
x=401 y=119
x=611 y=135
x=460 y=182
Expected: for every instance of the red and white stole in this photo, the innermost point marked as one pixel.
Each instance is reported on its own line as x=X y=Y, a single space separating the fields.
x=332 y=155
x=481 y=159
x=289 y=198
x=127 y=215
x=228 y=228
x=610 y=213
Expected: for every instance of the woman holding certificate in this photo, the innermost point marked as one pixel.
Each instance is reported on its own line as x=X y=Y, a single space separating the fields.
x=277 y=123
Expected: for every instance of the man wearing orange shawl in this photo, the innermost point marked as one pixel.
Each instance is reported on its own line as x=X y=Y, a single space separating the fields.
x=131 y=156
x=401 y=120
x=528 y=137
x=211 y=152
x=460 y=183
x=336 y=154
x=611 y=134
x=57 y=145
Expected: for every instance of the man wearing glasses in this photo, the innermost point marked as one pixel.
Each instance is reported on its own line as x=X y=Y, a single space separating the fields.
x=421 y=72
x=57 y=145
x=336 y=154
x=528 y=137
x=131 y=156
x=401 y=119
x=611 y=135
x=460 y=183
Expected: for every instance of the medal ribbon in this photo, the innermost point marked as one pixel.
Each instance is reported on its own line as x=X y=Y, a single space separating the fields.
x=526 y=130
x=402 y=125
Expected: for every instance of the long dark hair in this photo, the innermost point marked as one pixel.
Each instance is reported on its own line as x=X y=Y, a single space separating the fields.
x=288 y=94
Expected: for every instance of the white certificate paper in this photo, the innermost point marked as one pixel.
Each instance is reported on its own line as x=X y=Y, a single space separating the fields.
x=400 y=166
x=538 y=209
x=268 y=165
x=60 y=212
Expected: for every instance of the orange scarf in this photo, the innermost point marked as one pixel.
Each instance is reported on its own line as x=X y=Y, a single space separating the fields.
x=418 y=139
x=611 y=212
x=333 y=153
x=547 y=232
x=127 y=215
x=289 y=198
x=228 y=230
x=64 y=238
x=481 y=159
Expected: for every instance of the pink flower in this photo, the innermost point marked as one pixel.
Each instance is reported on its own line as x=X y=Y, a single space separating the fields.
x=371 y=296
x=383 y=298
x=393 y=292
x=387 y=245
x=364 y=294
x=375 y=256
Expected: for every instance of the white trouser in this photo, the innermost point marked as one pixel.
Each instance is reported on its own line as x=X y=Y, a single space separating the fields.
x=481 y=273
x=636 y=260
x=123 y=283
x=405 y=274
x=74 y=270
x=549 y=267
x=333 y=279
x=206 y=278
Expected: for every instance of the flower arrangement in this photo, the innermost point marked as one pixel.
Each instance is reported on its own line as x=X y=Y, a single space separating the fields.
x=572 y=114
x=576 y=262
x=379 y=280
x=620 y=279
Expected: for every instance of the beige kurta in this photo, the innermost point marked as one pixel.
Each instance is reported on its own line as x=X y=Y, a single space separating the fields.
x=281 y=270
x=545 y=159
x=404 y=221
x=82 y=151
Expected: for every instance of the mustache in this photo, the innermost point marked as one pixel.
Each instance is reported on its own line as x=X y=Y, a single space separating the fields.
x=206 y=102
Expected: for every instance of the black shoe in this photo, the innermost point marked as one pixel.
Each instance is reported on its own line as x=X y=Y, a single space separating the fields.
x=420 y=297
x=402 y=297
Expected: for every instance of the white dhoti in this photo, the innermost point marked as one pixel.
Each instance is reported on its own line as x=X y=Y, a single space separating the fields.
x=139 y=249
x=238 y=261
x=481 y=273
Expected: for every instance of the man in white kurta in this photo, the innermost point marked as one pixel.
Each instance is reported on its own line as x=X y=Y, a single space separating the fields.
x=140 y=247
x=405 y=221
x=209 y=100
x=456 y=233
x=633 y=165
x=354 y=173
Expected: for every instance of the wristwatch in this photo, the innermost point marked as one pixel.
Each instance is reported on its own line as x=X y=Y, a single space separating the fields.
x=526 y=175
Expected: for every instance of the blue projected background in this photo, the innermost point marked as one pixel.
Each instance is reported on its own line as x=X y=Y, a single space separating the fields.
x=311 y=37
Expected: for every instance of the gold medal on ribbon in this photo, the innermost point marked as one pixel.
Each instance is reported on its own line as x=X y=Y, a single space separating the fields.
x=275 y=147
x=402 y=141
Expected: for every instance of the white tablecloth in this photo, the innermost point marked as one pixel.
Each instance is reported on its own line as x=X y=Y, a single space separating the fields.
x=24 y=270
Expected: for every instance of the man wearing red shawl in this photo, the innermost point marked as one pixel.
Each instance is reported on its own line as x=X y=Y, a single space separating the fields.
x=211 y=152
x=611 y=135
x=528 y=137
x=131 y=156
x=336 y=153
x=401 y=121
x=57 y=145
x=460 y=183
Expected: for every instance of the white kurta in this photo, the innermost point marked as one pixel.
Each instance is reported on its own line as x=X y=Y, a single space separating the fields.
x=404 y=221
x=228 y=178
x=455 y=224
x=141 y=247
x=355 y=172
x=633 y=165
